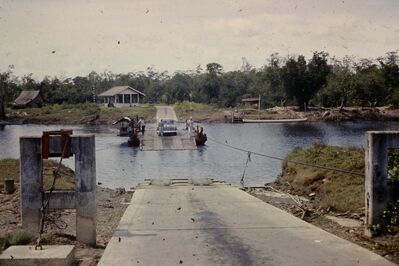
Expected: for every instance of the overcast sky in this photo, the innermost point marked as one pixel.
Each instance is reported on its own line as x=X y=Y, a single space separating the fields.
x=69 y=38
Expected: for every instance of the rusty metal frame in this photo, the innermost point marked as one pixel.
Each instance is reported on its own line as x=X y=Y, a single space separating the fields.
x=64 y=134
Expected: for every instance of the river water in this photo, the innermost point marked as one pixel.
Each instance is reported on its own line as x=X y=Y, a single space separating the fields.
x=121 y=166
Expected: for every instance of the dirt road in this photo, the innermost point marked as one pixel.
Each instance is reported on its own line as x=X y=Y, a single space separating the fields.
x=166 y=113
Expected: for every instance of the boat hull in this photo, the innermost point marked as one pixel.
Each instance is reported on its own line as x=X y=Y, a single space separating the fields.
x=200 y=141
x=274 y=120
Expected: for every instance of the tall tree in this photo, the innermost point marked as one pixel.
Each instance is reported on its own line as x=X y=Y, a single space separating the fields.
x=212 y=84
x=5 y=90
x=390 y=69
x=301 y=80
x=271 y=77
x=339 y=85
x=294 y=80
x=179 y=87
x=369 y=86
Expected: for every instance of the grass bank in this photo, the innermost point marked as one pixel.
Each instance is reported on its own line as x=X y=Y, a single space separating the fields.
x=331 y=200
x=200 y=112
x=333 y=190
x=10 y=169
x=79 y=114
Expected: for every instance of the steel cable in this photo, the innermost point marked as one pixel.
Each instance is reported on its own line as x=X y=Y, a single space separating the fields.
x=46 y=200
x=289 y=161
x=245 y=168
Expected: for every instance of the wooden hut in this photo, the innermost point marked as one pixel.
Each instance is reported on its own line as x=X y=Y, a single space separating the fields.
x=28 y=99
x=251 y=102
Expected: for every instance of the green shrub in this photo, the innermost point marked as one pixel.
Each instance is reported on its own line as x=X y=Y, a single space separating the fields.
x=391 y=217
x=393 y=164
x=17 y=237
x=20 y=237
x=3 y=243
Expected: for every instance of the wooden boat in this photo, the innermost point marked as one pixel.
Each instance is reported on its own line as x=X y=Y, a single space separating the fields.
x=200 y=139
x=133 y=141
x=7 y=123
x=274 y=120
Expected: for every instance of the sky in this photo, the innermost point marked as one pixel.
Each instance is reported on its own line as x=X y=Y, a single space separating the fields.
x=70 y=38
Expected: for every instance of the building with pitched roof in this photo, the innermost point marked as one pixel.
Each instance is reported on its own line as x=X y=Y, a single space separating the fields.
x=122 y=96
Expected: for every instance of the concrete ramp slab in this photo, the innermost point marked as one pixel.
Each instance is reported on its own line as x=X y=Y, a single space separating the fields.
x=221 y=225
x=27 y=255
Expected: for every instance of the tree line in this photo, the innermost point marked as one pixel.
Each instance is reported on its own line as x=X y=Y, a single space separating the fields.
x=321 y=80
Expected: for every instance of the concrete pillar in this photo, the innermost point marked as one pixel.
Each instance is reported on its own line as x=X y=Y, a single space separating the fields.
x=376 y=189
x=9 y=186
x=83 y=148
x=30 y=180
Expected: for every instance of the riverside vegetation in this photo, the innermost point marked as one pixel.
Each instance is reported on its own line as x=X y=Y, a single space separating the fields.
x=322 y=80
x=88 y=113
x=336 y=194
x=340 y=192
x=98 y=114
x=334 y=190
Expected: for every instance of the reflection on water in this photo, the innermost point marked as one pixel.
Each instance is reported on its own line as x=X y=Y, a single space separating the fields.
x=120 y=165
x=300 y=130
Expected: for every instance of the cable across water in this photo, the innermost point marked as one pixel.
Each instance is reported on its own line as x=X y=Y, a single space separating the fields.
x=289 y=161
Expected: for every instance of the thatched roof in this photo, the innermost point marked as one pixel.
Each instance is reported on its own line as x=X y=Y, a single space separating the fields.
x=26 y=97
x=123 y=119
x=117 y=90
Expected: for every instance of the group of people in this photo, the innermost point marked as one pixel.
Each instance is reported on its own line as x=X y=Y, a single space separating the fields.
x=137 y=125
x=190 y=127
x=199 y=135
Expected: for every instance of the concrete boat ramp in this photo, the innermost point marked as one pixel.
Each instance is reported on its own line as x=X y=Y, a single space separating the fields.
x=200 y=222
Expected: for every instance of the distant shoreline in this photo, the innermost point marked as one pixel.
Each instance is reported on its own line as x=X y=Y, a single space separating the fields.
x=201 y=114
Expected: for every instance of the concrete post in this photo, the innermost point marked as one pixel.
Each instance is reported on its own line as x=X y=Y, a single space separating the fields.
x=9 y=186
x=85 y=171
x=84 y=196
x=376 y=180
x=30 y=180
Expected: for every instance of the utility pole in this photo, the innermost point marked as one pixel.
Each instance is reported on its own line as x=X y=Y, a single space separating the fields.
x=93 y=90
